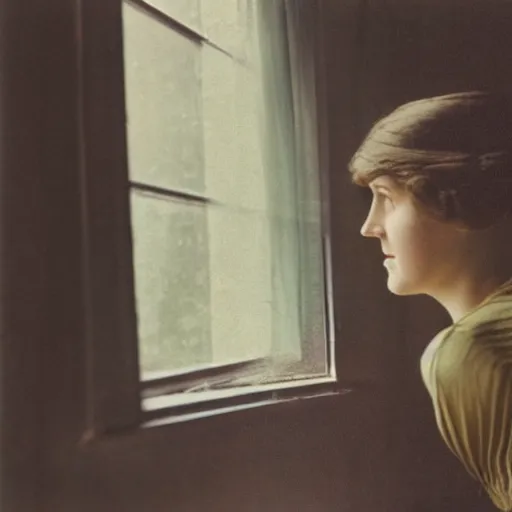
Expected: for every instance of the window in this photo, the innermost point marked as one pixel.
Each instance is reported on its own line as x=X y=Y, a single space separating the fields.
x=228 y=239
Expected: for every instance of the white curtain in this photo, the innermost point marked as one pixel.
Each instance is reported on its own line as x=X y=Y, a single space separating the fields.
x=288 y=44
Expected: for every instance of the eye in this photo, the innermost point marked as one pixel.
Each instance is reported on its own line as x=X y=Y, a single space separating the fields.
x=384 y=198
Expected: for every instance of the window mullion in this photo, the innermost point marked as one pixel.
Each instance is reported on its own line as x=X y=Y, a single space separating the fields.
x=171 y=22
x=177 y=194
x=178 y=26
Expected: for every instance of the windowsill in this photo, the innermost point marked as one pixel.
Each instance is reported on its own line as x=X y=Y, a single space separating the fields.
x=164 y=402
x=176 y=408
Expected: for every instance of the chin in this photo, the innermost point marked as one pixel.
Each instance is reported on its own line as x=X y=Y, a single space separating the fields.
x=401 y=288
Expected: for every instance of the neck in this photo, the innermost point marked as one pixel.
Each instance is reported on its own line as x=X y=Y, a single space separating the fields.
x=464 y=298
x=467 y=294
x=482 y=268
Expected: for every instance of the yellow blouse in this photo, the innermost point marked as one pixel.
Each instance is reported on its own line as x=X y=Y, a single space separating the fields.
x=467 y=370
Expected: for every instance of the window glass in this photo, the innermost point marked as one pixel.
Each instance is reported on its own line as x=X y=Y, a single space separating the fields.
x=228 y=243
x=163 y=96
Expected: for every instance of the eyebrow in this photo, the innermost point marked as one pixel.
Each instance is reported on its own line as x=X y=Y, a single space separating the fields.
x=381 y=187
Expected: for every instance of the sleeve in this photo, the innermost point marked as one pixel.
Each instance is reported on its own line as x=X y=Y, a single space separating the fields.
x=471 y=376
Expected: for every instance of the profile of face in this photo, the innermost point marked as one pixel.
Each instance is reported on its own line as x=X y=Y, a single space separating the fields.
x=421 y=253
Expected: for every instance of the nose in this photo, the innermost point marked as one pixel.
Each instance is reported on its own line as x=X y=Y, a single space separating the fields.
x=371 y=229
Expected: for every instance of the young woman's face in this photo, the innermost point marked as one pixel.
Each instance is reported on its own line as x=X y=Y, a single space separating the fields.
x=421 y=254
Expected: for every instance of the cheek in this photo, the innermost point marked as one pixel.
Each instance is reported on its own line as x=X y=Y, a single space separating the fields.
x=426 y=248
x=416 y=246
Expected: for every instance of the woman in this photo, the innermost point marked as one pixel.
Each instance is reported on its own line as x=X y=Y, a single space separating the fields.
x=440 y=170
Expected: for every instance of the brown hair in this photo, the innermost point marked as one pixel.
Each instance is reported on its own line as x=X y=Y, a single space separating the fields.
x=452 y=152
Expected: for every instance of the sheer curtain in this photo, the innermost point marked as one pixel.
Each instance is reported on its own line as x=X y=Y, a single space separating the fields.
x=288 y=44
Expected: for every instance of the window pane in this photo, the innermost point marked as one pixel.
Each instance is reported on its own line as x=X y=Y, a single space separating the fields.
x=171 y=282
x=185 y=11
x=163 y=97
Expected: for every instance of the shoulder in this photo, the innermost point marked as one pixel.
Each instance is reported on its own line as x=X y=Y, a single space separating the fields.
x=480 y=341
x=482 y=328
x=498 y=310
